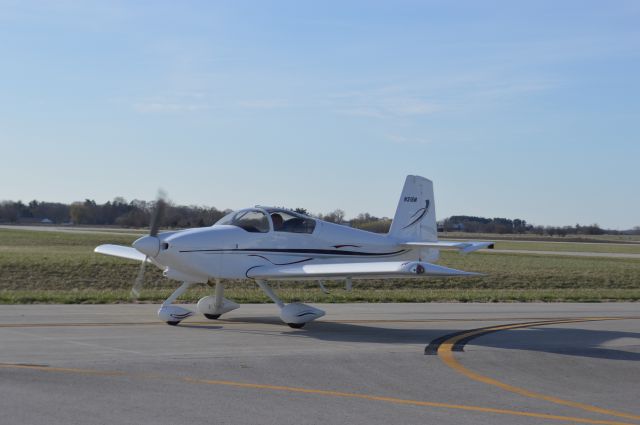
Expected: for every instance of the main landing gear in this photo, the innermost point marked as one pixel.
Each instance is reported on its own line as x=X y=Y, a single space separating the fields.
x=296 y=315
x=210 y=307
x=216 y=306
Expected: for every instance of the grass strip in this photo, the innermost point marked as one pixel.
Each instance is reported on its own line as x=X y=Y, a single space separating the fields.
x=245 y=295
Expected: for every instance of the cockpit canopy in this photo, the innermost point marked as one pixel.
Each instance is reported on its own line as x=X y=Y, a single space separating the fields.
x=259 y=220
x=290 y=221
x=251 y=220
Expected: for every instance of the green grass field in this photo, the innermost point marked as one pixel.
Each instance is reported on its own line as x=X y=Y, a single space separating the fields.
x=543 y=238
x=60 y=267
x=569 y=247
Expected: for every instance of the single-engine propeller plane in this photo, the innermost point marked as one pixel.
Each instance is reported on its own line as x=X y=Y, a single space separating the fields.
x=266 y=244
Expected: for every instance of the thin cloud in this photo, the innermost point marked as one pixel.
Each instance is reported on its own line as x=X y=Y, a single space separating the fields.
x=435 y=95
x=264 y=103
x=383 y=103
x=173 y=102
x=410 y=106
x=513 y=88
x=164 y=107
x=361 y=112
x=401 y=140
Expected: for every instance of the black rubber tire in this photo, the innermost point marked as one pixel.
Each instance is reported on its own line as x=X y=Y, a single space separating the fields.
x=296 y=325
x=173 y=323
x=212 y=316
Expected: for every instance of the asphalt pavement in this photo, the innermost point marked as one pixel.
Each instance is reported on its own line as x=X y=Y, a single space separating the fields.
x=360 y=364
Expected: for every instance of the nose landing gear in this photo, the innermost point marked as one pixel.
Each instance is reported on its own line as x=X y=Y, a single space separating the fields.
x=173 y=314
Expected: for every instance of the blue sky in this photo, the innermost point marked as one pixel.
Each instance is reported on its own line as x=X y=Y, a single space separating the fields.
x=513 y=109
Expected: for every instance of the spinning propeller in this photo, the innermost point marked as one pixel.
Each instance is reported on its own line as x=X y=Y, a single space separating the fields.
x=149 y=245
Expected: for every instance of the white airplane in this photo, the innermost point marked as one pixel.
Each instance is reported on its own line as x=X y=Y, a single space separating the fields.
x=265 y=243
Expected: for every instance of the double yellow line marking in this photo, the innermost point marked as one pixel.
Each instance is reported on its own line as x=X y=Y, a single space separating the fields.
x=445 y=352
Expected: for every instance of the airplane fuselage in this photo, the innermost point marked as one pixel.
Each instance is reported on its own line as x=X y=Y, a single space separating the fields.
x=229 y=252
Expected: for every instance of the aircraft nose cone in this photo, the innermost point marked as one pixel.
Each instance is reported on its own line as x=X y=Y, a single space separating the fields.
x=148 y=245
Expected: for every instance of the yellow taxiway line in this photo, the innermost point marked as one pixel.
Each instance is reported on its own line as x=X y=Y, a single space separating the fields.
x=404 y=401
x=445 y=352
x=318 y=392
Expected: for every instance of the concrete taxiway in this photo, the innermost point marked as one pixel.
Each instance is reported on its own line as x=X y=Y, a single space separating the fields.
x=360 y=364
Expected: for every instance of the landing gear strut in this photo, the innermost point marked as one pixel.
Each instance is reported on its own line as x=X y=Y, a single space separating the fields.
x=173 y=314
x=214 y=307
x=296 y=315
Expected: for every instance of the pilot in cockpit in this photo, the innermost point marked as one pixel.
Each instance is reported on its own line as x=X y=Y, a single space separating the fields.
x=277 y=221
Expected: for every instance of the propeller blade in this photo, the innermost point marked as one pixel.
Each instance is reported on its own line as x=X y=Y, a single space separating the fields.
x=158 y=215
x=137 y=285
x=156 y=221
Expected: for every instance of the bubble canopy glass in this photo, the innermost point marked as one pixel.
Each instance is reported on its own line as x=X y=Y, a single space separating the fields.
x=258 y=220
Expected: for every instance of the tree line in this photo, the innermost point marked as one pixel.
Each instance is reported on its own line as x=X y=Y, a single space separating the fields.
x=137 y=213
x=471 y=224
x=118 y=212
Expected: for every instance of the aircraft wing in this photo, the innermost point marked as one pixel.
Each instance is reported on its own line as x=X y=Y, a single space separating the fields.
x=120 y=251
x=390 y=269
x=464 y=247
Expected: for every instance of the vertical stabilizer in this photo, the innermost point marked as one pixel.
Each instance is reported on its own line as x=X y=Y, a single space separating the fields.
x=415 y=218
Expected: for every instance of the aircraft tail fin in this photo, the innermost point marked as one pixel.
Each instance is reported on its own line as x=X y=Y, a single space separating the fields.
x=415 y=218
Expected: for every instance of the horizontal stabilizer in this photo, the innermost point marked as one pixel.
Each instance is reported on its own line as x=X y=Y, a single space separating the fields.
x=120 y=251
x=389 y=269
x=463 y=247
